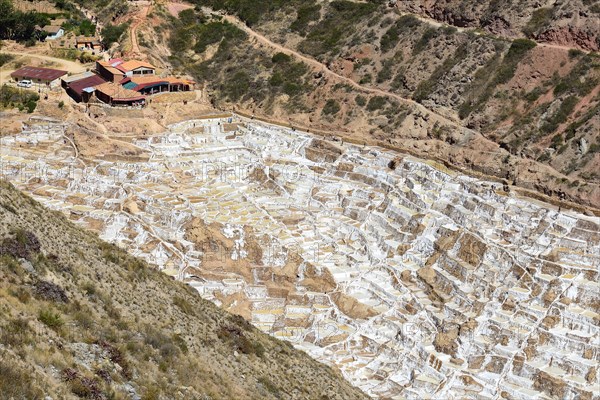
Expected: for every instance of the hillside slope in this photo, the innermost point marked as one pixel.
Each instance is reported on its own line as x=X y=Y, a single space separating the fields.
x=82 y=319
x=522 y=110
x=572 y=23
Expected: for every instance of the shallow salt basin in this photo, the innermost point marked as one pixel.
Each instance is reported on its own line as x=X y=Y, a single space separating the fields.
x=366 y=293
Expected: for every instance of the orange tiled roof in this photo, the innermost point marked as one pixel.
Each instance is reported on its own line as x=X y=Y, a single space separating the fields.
x=117 y=91
x=134 y=64
x=110 y=68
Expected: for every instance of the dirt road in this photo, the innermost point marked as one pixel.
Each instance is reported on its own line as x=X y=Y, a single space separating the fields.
x=135 y=47
x=263 y=40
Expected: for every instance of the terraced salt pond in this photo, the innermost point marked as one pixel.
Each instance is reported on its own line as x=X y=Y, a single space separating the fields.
x=414 y=281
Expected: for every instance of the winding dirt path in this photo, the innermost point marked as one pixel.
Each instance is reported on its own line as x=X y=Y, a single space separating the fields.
x=263 y=40
x=139 y=19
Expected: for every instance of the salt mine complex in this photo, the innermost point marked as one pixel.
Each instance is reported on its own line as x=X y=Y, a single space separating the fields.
x=402 y=274
x=408 y=275
x=114 y=82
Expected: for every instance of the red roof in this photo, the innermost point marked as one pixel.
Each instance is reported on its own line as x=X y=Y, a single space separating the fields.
x=78 y=86
x=47 y=74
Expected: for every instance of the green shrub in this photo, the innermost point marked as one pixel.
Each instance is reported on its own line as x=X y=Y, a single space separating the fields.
x=5 y=58
x=21 y=99
x=516 y=52
x=279 y=58
x=428 y=35
x=360 y=100
x=534 y=94
x=331 y=107
x=214 y=32
x=61 y=104
x=376 y=103
x=305 y=15
x=539 y=19
x=50 y=319
x=390 y=38
x=339 y=22
x=112 y=33
x=385 y=74
x=574 y=53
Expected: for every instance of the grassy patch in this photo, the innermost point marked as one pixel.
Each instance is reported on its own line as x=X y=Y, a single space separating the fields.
x=52 y=320
x=5 y=58
x=11 y=97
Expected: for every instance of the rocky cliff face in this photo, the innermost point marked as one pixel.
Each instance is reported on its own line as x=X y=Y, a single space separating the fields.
x=571 y=23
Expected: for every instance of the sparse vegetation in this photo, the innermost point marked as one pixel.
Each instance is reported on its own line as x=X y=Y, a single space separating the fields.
x=11 y=97
x=577 y=81
x=427 y=86
x=376 y=103
x=5 y=58
x=108 y=321
x=331 y=107
x=504 y=72
x=539 y=19
x=341 y=19
x=561 y=115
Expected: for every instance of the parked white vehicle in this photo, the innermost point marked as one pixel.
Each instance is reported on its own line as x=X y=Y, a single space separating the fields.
x=24 y=83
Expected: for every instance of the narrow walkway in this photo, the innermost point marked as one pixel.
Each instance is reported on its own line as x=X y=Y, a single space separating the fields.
x=323 y=68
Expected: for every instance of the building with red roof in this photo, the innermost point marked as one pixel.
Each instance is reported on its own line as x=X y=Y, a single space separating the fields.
x=38 y=75
x=81 y=87
x=115 y=95
x=151 y=84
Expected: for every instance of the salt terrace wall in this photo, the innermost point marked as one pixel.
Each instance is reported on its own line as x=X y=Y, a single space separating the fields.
x=411 y=280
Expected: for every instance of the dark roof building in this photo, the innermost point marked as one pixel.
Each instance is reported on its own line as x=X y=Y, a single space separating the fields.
x=82 y=89
x=49 y=76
